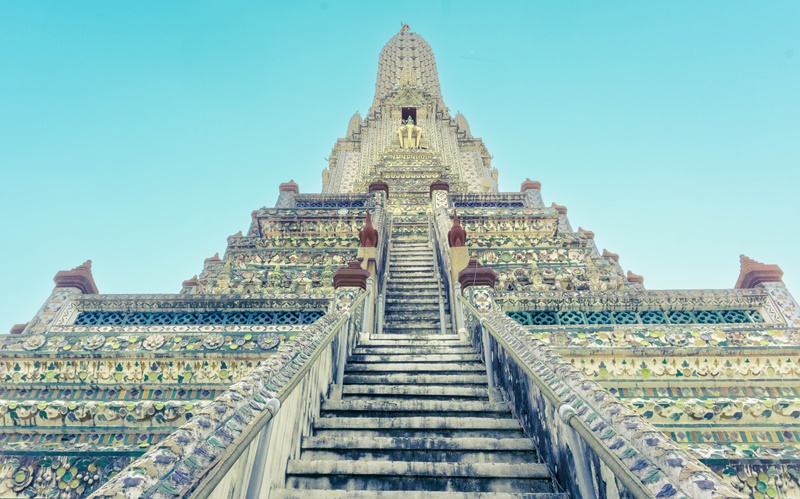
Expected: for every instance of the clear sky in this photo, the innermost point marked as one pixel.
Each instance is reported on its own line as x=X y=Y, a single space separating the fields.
x=141 y=134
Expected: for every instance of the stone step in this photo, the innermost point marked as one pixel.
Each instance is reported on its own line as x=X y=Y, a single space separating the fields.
x=400 y=295
x=427 y=391
x=397 y=305
x=403 y=307
x=421 y=294
x=421 y=298
x=403 y=358
x=402 y=318
x=406 y=300
x=428 y=314
x=400 y=312
x=410 y=475
x=419 y=426
x=363 y=408
x=426 y=284
x=429 y=311
x=430 y=326
x=402 y=330
x=395 y=300
x=434 y=340
x=412 y=277
x=411 y=300
x=391 y=324
x=415 y=367
x=422 y=312
x=460 y=450
x=406 y=494
x=428 y=280
x=416 y=278
x=411 y=350
x=415 y=379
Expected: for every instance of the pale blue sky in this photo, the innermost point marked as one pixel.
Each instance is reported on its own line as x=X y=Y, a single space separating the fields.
x=142 y=134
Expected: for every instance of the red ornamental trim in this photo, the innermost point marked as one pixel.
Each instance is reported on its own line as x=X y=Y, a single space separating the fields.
x=530 y=185
x=80 y=277
x=18 y=328
x=635 y=278
x=289 y=186
x=476 y=274
x=457 y=237
x=439 y=185
x=753 y=273
x=608 y=254
x=379 y=185
x=368 y=235
x=352 y=276
x=562 y=210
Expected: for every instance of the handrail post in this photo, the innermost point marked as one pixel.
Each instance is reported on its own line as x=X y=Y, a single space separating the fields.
x=369 y=306
x=381 y=305
x=435 y=247
x=461 y=325
x=487 y=355
x=342 y=353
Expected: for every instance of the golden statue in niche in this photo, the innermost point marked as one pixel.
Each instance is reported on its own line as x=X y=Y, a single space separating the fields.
x=410 y=135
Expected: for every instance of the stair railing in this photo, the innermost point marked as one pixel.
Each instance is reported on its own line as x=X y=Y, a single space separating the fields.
x=614 y=433
x=442 y=258
x=348 y=338
x=433 y=244
x=382 y=275
x=383 y=278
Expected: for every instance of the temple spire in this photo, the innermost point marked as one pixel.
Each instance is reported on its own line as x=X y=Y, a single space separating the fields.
x=407 y=61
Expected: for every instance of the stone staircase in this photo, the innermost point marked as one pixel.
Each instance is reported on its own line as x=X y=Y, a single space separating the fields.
x=415 y=417
x=414 y=295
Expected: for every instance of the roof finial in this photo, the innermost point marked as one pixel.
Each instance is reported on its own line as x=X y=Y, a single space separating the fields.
x=405 y=27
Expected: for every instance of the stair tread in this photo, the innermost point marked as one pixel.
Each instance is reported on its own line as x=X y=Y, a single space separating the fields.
x=441 y=337
x=417 y=468
x=412 y=367
x=419 y=422
x=360 y=405
x=421 y=443
x=416 y=379
x=410 y=350
x=435 y=391
x=431 y=357
x=406 y=494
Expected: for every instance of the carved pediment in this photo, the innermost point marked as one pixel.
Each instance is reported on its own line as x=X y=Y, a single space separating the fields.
x=408 y=97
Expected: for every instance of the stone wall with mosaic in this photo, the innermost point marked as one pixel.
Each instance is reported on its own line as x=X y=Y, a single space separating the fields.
x=716 y=370
x=95 y=380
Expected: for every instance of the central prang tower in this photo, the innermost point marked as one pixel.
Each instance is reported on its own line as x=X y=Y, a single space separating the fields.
x=408 y=138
